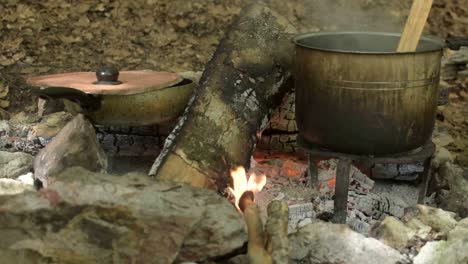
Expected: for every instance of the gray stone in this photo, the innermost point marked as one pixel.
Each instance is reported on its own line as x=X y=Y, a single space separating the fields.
x=85 y=217
x=422 y=230
x=457 y=197
x=4 y=115
x=12 y=186
x=24 y=118
x=441 y=137
x=51 y=125
x=75 y=145
x=46 y=107
x=438 y=219
x=441 y=156
x=393 y=233
x=463 y=223
x=322 y=242
x=453 y=251
x=204 y=242
x=459 y=57
x=14 y=164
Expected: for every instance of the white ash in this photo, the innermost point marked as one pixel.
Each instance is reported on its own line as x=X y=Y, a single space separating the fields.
x=368 y=201
x=300 y=213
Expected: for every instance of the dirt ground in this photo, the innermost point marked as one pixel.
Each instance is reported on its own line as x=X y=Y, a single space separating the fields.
x=40 y=37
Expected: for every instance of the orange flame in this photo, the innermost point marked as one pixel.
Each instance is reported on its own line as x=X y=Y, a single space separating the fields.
x=242 y=183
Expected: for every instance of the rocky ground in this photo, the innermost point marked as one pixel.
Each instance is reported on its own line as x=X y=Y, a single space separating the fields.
x=52 y=36
x=86 y=217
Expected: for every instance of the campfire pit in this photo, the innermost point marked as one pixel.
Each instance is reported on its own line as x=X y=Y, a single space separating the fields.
x=342 y=175
x=127 y=217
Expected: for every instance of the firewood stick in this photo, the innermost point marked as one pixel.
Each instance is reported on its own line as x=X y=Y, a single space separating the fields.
x=256 y=248
x=414 y=25
x=277 y=231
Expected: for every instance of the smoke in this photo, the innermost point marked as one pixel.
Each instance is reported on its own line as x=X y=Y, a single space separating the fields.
x=354 y=15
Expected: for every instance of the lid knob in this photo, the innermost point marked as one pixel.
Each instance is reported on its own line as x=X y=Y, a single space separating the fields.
x=107 y=74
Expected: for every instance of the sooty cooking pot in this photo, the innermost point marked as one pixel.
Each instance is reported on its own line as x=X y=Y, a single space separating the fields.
x=355 y=94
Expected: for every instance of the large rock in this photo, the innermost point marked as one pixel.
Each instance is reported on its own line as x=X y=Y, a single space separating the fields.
x=12 y=186
x=393 y=233
x=14 y=164
x=75 y=145
x=426 y=226
x=438 y=219
x=453 y=250
x=325 y=243
x=51 y=124
x=85 y=217
x=457 y=180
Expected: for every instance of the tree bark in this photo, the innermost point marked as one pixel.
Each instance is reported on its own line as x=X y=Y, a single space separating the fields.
x=243 y=82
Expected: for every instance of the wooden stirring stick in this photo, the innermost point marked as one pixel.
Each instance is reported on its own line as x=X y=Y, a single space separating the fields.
x=414 y=25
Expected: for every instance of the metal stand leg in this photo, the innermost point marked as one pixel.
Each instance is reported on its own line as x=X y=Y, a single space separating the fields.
x=426 y=177
x=341 y=191
x=313 y=172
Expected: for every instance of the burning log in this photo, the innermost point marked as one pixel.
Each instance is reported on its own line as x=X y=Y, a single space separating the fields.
x=265 y=246
x=256 y=249
x=241 y=85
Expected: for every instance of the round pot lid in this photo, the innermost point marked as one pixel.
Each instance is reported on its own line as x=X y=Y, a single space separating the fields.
x=129 y=82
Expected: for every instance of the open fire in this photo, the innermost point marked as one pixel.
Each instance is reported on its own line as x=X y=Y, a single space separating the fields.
x=245 y=185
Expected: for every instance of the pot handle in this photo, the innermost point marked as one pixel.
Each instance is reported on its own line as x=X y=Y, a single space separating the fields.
x=455 y=43
x=86 y=101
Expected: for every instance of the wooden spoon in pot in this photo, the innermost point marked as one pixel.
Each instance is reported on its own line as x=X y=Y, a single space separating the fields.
x=414 y=25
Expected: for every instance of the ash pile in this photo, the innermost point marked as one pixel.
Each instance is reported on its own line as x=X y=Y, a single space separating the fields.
x=368 y=201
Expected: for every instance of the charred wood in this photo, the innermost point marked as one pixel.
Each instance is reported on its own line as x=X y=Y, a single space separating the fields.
x=242 y=84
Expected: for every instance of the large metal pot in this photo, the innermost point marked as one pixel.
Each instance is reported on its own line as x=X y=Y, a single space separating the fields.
x=355 y=94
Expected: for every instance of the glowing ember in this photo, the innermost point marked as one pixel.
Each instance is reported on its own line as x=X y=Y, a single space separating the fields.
x=332 y=183
x=243 y=183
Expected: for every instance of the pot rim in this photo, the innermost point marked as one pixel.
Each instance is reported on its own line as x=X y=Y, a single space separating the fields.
x=436 y=44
